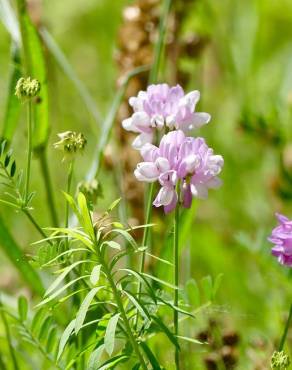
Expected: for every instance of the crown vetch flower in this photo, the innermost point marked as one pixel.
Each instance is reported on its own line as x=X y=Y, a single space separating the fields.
x=281 y=237
x=180 y=161
x=163 y=106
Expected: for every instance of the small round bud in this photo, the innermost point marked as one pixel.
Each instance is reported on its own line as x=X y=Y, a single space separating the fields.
x=91 y=189
x=27 y=88
x=71 y=143
x=280 y=361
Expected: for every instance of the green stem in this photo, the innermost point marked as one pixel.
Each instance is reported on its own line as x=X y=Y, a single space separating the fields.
x=121 y=308
x=29 y=151
x=48 y=185
x=8 y=335
x=176 y=279
x=284 y=336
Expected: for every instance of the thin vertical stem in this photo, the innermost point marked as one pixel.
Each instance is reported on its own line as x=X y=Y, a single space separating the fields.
x=29 y=150
x=176 y=278
x=49 y=187
x=284 y=336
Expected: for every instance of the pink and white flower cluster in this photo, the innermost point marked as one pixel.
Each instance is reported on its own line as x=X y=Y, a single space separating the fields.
x=163 y=106
x=185 y=167
x=181 y=164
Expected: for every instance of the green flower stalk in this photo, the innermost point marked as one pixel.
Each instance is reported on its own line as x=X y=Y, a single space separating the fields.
x=26 y=89
x=280 y=360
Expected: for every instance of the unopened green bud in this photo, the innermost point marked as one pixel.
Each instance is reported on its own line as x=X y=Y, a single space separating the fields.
x=91 y=189
x=280 y=361
x=27 y=88
x=70 y=143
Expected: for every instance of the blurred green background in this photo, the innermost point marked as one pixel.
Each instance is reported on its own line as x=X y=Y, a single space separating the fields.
x=244 y=73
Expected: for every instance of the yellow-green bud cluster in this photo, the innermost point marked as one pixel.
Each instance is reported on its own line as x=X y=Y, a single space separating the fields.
x=71 y=143
x=27 y=88
x=91 y=189
x=280 y=361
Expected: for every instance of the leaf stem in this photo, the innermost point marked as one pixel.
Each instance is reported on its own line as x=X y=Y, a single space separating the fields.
x=284 y=336
x=176 y=278
x=48 y=185
x=29 y=150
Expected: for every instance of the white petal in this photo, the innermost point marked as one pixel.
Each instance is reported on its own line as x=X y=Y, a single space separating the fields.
x=170 y=121
x=164 y=197
x=141 y=120
x=192 y=162
x=199 y=191
x=141 y=140
x=148 y=170
x=162 y=164
x=199 y=119
x=140 y=177
x=128 y=125
x=190 y=100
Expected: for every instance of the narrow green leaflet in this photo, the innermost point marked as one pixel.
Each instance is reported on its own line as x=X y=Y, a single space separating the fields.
x=34 y=61
x=109 y=339
x=95 y=274
x=140 y=307
x=153 y=361
x=14 y=253
x=160 y=281
x=81 y=314
x=192 y=340
x=65 y=337
x=22 y=308
x=61 y=290
x=61 y=277
x=114 y=361
x=165 y=330
x=87 y=222
x=112 y=244
x=94 y=361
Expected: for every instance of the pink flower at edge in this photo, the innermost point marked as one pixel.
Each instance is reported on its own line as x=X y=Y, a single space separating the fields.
x=163 y=106
x=180 y=159
x=281 y=237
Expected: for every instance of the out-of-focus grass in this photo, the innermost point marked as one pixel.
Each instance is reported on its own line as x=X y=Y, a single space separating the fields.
x=245 y=78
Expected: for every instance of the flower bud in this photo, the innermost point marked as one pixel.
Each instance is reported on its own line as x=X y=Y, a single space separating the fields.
x=71 y=143
x=27 y=88
x=280 y=361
